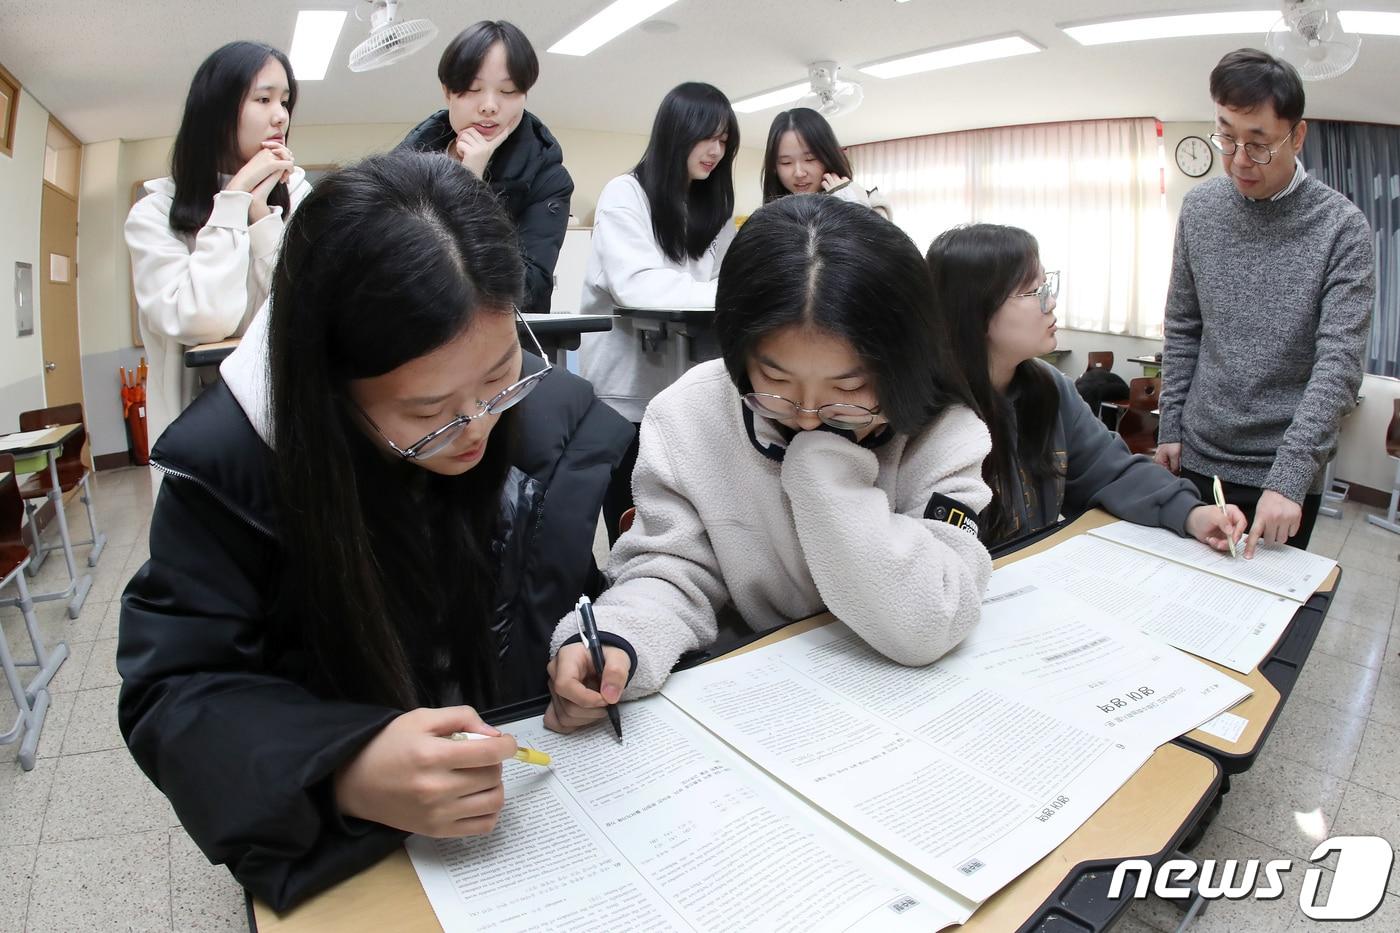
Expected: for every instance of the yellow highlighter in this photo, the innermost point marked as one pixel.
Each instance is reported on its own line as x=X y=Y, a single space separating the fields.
x=1220 y=501
x=530 y=756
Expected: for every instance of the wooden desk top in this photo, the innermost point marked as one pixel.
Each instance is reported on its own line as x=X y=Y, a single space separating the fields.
x=51 y=438
x=1140 y=820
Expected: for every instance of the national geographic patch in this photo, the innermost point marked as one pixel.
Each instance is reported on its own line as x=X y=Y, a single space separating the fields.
x=942 y=508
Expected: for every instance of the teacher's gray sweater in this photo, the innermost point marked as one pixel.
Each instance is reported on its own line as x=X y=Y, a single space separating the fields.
x=1267 y=316
x=823 y=524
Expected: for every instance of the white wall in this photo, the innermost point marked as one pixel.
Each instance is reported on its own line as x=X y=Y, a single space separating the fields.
x=21 y=193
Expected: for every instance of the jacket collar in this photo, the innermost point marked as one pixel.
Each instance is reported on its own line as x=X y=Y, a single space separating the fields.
x=530 y=150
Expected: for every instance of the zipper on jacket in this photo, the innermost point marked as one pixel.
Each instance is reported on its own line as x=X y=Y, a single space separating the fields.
x=238 y=512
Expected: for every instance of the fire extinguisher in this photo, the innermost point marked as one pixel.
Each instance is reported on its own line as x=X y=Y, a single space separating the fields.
x=134 y=410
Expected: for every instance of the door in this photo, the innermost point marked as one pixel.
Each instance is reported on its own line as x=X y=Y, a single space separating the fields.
x=58 y=297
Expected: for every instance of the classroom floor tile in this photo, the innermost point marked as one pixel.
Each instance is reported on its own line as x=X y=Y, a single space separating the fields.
x=87 y=844
x=1317 y=735
x=117 y=883
x=1378 y=762
x=1366 y=812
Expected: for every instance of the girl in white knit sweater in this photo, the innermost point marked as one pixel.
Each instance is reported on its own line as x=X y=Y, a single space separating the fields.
x=203 y=241
x=831 y=460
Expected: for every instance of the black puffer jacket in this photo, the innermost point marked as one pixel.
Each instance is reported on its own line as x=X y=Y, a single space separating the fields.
x=527 y=174
x=215 y=704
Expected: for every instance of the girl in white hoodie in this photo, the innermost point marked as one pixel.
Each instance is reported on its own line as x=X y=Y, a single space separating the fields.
x=203 y=241
x=831 y=460
x=659 y=233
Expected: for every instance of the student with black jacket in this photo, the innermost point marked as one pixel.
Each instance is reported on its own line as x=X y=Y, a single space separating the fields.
x=353 y=550
x=486 y=72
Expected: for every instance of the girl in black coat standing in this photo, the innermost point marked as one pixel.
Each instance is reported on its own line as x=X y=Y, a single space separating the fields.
x=486 y=72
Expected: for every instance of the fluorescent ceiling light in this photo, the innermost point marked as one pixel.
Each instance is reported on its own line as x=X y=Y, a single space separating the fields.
x=612 y=20
x=783 y=95
x=1371 y=23
x=313 y=43
x=1172 y=27
x=952 y=56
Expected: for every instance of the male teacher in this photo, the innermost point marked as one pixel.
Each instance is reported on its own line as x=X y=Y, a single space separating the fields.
x=1271 y=294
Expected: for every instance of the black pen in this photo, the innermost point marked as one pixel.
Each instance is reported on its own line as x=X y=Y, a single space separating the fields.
x=588 y=631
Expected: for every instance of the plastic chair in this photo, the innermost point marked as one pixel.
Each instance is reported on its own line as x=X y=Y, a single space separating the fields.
x=72 y=474
x=1137 y=423
x=1391 y=521
x=31 y=699
x=625 y=520
x=1100 y=359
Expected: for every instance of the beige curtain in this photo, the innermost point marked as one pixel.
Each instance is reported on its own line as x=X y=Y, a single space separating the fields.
x=1091 y=192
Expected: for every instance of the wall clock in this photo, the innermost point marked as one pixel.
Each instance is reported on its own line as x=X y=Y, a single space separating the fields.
x=1194 y=156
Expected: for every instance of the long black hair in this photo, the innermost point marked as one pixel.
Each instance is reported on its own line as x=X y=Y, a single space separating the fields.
x=686 y=215
x=208 y=138
x=386 y=564
x=462 y=58
x=819 y=262
x=815 y=133
x=975 y=269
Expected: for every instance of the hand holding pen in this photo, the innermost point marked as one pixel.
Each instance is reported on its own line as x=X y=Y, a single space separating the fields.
x=578 y=695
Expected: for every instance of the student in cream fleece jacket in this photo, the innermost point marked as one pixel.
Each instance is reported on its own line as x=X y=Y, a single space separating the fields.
x=830 y=460
x=203 y=241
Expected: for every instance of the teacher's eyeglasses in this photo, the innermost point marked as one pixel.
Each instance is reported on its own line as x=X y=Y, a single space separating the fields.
x=441 y=439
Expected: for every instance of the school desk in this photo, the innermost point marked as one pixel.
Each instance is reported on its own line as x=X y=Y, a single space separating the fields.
x=1271 y=682
x=655 y=325
x=33 y=453
x=557 y=334
x=1148 y=818
x=1151 y=365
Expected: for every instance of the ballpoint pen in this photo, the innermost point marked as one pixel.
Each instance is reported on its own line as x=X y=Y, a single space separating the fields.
x=588 y=631
x=1220 y=501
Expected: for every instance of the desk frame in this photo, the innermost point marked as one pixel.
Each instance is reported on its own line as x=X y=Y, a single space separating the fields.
x=557 y=333
x=685 y=324
x=77 y=590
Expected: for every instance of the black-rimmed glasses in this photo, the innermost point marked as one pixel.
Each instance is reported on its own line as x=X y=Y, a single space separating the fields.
x=1259 y=153
x=439 y=440
x=1048 y=289
x=835 y=415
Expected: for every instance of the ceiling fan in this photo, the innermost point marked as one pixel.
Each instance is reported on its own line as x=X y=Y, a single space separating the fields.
x=1310 y=38
x=830 y=96
x=390 y=39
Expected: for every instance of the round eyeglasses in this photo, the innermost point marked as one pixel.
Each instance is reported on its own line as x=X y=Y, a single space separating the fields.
x=1048 y=289
x=439 y=440
x=1259 y=153
x=835 y=415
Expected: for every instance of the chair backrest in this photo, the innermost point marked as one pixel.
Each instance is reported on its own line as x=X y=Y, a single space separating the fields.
x=1392 y=433
x=72 y=413
x=1100 y=359
x=624 y=521
x=1143 y=392
x=11 y=505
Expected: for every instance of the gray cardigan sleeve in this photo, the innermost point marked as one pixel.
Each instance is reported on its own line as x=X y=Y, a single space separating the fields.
x=1344 y=320
x=1102 y=473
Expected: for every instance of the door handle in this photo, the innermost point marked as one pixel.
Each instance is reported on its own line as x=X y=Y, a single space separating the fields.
x=50 y=366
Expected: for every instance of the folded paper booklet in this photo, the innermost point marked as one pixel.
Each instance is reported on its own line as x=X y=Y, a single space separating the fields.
x=815 y=785
x=1228 y=610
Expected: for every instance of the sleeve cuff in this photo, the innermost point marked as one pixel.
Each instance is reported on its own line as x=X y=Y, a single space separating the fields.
x=230 y=210
x=266 y=234
x=612 y=641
